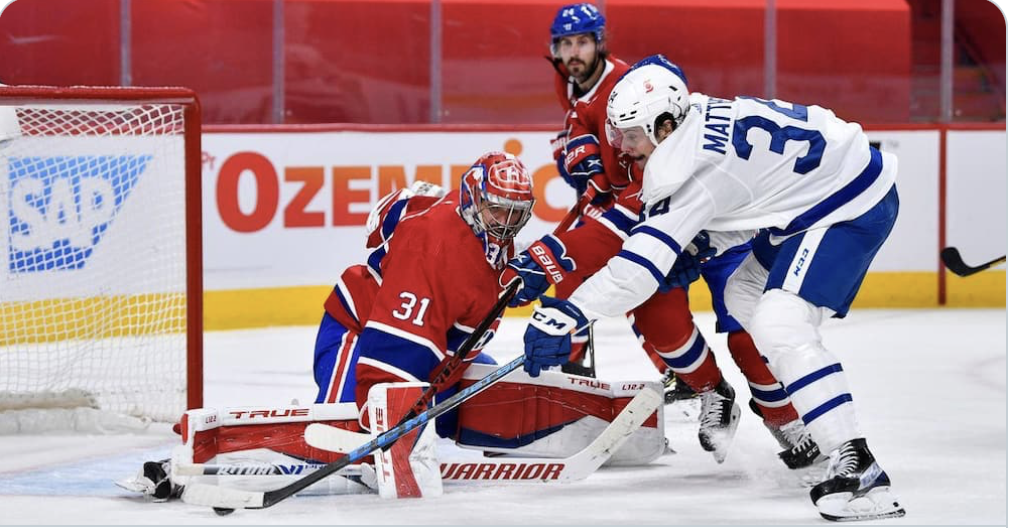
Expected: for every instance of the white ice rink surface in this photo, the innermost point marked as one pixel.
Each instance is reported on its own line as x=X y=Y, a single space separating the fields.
x=930 y=388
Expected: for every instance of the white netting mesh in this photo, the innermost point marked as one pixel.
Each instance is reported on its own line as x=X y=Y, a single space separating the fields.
x=93 y=254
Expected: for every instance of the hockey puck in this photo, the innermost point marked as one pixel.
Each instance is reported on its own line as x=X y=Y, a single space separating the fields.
x=224 y=511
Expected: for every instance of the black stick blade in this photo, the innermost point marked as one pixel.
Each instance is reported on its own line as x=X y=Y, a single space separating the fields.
x=951 y=258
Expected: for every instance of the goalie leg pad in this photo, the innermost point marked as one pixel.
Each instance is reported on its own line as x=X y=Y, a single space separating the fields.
x=553 y=415
x=409 y=467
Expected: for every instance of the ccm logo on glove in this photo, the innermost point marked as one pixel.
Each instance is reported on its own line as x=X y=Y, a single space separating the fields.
x=552 y=321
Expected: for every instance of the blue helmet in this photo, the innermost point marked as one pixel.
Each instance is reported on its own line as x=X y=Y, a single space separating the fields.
x=659 y=60
x=574 y=19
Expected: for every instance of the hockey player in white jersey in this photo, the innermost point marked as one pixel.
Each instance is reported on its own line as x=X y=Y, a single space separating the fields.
x=824 y=200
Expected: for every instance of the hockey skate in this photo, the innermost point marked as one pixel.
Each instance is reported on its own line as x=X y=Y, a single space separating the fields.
x=719 y=418
x=675 y=389
x=856 y=489
x=153 y=481
x=799 y=449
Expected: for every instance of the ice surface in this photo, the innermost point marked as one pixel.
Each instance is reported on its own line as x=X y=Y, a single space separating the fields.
x=930 y=388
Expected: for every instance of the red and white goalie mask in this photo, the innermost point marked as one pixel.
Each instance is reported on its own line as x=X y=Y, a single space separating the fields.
x=496 y=200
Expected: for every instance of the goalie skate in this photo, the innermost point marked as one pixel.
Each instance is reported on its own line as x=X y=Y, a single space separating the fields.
x=857 y=488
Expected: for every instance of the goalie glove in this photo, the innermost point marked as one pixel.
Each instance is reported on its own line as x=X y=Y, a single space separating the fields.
x=544 y=263
x=548 y=337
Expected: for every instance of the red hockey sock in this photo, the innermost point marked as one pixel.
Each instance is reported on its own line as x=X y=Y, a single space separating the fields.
x=752 y=364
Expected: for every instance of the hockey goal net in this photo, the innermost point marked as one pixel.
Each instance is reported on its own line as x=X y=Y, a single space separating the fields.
x=100 y=300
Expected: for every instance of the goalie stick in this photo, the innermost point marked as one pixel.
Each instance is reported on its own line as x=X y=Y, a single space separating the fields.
x=499 y=469
x=951 y=258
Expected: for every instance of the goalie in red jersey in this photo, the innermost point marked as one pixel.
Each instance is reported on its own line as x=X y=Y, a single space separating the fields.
x=390 y=326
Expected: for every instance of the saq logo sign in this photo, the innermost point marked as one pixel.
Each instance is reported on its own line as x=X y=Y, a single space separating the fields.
x=61 y=206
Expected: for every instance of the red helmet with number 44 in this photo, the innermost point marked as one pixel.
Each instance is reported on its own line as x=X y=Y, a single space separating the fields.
x=496 y=201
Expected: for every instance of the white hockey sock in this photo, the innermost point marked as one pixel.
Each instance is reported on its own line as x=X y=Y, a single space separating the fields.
x=820 y=393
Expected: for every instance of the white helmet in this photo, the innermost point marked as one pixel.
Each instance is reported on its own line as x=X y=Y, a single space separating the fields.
x=652 y=87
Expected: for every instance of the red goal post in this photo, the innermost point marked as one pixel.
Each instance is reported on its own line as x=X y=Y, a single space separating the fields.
x=101 y=256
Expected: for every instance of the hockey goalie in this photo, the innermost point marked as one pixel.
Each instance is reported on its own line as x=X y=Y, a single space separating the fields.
x=389 y=329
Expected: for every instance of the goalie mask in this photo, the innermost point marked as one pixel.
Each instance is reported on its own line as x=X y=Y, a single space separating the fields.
x=496 y=201
x=653 y=90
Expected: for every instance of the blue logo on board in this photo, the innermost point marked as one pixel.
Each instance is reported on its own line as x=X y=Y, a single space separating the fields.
x=61 y=207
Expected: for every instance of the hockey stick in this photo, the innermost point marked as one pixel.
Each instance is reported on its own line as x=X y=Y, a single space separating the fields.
x=225 y=501
x=572 y=215
x=951 y=258
x=500 y=469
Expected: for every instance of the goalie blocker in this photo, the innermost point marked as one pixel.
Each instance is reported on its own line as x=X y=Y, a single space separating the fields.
x=552 y=417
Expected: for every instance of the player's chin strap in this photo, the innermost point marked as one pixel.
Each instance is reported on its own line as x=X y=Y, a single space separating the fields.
x=225 y=500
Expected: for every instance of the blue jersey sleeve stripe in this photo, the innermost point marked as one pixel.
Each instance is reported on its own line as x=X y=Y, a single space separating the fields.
x=658 y=235
x=348 y=306
x=392 y=218
x=619 y=220
x=397 y=352
x=582 y=140
x=375 y=259
x=643 y=262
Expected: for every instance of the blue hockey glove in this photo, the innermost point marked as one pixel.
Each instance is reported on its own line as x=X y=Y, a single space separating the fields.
x=687 y=267
x=540 y=266
x=575 y=183
x=548 y=336
x=582 y=158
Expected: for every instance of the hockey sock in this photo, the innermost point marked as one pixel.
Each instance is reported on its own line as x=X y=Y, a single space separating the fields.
x=768 y=395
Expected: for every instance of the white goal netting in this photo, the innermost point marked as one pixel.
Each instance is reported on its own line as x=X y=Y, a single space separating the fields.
x=93 y=295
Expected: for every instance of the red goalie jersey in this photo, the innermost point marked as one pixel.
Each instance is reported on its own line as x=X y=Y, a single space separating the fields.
x=423 y=290
x=430 y=279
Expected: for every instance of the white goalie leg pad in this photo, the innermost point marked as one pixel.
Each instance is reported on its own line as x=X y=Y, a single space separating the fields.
x=554 y=415
x=409 y=468
x=785 y=330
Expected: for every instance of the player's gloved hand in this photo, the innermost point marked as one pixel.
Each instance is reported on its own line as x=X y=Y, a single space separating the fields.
x=687 y=267
x=582 y=161
x=548 y=337
x=574 y=183
x=544 y=263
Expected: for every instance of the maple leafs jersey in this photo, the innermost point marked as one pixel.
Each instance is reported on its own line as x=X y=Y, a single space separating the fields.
x=426 y=286
x=740 y=165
